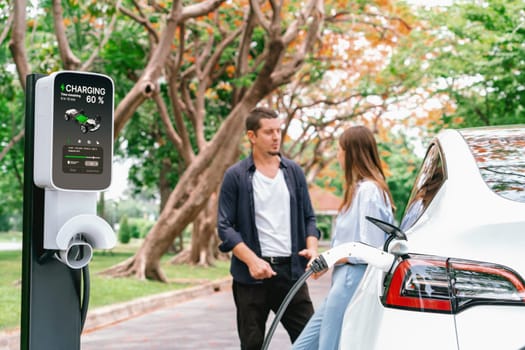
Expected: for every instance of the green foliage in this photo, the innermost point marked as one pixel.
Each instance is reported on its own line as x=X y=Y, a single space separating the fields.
x=135 y=232
x=324 y=224
x=403 y=165
x=12 y=165
x=123 y=56
x=473 y=52
x=140 y=227
x=146 y=143
x=316 y=69
x=124 y=231
x=134 y=209
x=493 y=37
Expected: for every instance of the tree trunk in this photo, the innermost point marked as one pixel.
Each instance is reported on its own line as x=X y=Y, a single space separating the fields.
x=189 y=197
x=202 y=250
x=164 y=185
x=17 y=42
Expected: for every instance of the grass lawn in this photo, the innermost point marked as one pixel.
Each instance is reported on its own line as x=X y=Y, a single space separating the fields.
x=104 y=290
x=11 y=236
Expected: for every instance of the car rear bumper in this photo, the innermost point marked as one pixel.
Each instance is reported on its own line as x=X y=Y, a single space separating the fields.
x=491 y=327
x=369 y=325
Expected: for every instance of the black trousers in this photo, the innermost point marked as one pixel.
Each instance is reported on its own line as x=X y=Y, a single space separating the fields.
x=254 y=303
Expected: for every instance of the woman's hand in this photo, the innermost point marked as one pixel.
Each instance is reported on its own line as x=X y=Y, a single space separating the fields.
x=309 y=253
x=342 y=261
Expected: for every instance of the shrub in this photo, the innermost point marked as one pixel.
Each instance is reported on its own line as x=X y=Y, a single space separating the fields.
x=140 y=227
x=124 y=232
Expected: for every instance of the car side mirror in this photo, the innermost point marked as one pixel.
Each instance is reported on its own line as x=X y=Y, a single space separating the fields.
x=397 y=247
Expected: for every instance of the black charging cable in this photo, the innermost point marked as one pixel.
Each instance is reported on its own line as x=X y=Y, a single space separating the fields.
x=85 y=296
x=318 y=264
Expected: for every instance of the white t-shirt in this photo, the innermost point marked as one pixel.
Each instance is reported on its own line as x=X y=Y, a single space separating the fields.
x=272 y=214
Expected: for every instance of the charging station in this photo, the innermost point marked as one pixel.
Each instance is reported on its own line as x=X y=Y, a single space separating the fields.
x=68 y=161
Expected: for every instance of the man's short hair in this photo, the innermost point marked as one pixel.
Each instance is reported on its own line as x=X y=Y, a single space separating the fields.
x=252 y=122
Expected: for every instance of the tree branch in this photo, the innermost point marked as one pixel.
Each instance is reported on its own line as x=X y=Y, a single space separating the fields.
x=147 y=83
x=140 y=20
x=212 y=62
x=200 y=9
x=312 y=16
x=186 y=148
x=173 y=70
x=17 y=42
x=7 y=27
x=69 y=60
x=170 y=131
x=243 y=52
x=256 y=9
x=11 y=143
x=180 y=51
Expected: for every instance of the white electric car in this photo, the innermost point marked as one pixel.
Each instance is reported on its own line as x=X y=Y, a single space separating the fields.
x=461 y=285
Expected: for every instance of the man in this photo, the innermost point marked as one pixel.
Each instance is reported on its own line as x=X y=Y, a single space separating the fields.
x=266 y=219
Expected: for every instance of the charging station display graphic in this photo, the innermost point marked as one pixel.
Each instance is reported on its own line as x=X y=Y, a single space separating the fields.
x=82 y=159
x=86 y=123
x=83 y=130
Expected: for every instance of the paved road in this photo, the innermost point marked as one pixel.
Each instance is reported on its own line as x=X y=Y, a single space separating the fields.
x=202 y=323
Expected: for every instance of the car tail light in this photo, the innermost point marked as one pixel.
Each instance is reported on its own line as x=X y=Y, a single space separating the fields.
x=434 y=284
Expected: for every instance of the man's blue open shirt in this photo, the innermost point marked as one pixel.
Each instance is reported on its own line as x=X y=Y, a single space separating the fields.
x=236 y=216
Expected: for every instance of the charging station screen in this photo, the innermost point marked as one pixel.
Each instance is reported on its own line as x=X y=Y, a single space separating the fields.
x=82 y=160
x=83 y=131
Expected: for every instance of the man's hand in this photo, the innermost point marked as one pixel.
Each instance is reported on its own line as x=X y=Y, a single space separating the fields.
x=260 y=269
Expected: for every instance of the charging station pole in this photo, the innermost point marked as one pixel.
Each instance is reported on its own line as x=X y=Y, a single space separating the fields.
x=60 y=226
x=50 y=315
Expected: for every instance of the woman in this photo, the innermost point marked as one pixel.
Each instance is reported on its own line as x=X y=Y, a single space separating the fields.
x=366 y=194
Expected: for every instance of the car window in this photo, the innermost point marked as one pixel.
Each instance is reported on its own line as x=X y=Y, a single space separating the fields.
x=429 y=180
x=500 y=156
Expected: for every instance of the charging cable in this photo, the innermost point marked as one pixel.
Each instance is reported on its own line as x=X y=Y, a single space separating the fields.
x=319 y=264
x=86 y=286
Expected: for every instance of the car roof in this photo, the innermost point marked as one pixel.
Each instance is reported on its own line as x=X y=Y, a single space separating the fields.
x=496 y=153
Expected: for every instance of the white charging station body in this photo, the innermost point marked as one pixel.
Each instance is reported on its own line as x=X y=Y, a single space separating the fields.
x=43 y=133
x=71 y=213
x=73 y=131
x=73 y=161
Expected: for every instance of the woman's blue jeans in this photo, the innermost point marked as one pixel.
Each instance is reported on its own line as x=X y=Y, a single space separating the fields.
x=323 y=330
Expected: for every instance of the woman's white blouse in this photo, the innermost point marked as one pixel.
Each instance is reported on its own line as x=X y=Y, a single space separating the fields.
x=352 y=226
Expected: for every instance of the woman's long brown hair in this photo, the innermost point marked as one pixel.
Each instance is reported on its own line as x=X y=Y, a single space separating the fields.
x=361 y=162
